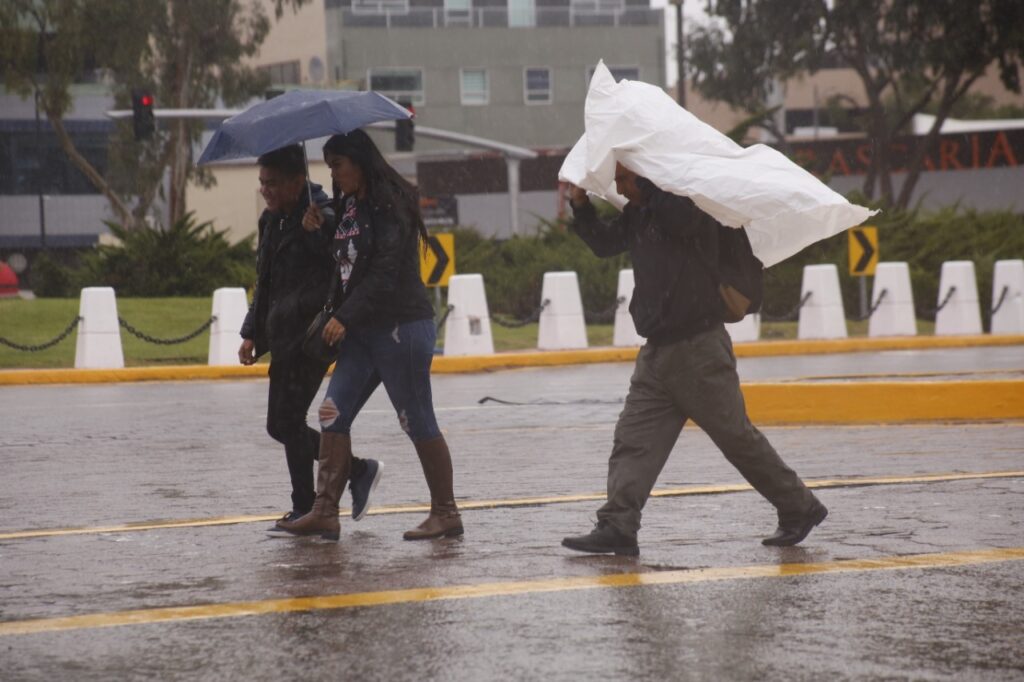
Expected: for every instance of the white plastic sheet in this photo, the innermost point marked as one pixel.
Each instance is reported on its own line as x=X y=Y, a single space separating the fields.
x=783 y=207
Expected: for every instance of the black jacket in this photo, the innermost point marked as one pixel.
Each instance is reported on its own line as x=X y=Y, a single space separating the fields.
x=376 y=248
x=668 y=238
x=293 y=273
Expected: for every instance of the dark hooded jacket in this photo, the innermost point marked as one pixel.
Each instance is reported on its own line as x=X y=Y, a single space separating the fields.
x=376 y=248
x=293 y=274
x=671 y=241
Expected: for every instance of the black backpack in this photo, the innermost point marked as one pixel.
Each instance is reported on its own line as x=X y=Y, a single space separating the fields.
x=740 y=275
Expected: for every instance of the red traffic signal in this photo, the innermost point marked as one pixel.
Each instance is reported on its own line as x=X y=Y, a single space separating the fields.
x=143 y=119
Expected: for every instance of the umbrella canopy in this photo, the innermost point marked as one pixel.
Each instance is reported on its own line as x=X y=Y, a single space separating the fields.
x=782 y=206
x=295 y=116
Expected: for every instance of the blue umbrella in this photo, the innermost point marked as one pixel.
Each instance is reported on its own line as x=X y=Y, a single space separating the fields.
x=297 y=116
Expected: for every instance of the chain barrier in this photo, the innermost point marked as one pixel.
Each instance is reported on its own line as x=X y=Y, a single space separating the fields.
x=605 y=316
x=881 y=297
x=444 y=317
x=513 y=324
x=165 y=342
x=931 y=314
x=1002 y=298
x=792 y=314
x=35 y=348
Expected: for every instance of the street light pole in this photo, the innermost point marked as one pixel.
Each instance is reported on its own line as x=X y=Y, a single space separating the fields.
x=680 y=56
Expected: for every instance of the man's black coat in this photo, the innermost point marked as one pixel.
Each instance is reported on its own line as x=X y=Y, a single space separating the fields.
x=293 y=274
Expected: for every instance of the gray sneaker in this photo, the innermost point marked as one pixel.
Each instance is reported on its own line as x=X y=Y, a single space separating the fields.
x=362 y=488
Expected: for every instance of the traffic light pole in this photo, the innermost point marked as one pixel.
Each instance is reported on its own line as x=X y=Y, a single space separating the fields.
x=39 y=179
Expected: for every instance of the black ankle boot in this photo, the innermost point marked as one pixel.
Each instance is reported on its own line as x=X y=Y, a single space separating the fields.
x=793 y=530
x=604 y=539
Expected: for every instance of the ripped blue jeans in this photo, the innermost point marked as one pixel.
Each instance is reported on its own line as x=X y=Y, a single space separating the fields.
x=400 y=359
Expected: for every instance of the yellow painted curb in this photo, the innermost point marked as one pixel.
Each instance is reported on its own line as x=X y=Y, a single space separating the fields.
x=445 y=364
x=499 y=361
x=16 y=377
x=884 y=402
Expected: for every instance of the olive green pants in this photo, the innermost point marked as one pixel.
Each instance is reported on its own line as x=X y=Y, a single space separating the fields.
x=691 y=379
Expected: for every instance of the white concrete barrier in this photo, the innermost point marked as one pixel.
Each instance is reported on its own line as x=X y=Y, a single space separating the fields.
x=99 y=337
x=467 y=330
x=562 y=325
x=230 y=306
x=747 y=329
x=1009 y=317
x=958 y=299
x=822 y=316
x=894 y=315
x=624 y=333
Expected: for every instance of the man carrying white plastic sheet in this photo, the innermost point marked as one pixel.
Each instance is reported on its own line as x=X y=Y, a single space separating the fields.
x=677 y=180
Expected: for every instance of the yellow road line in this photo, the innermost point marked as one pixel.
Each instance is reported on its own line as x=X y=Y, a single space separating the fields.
x=498 y=361
x=505 y=589
x=468 y=505
x=902 y=375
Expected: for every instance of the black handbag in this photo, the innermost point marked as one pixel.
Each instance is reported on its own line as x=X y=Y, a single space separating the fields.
x=313 y=344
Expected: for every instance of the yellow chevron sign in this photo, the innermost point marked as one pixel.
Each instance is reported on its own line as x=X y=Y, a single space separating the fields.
x=437 y=261
x=863 y=250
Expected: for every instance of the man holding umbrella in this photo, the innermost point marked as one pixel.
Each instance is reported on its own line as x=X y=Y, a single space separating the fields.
x=294 y=270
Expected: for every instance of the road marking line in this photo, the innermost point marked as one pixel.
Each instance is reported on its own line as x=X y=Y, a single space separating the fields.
x=900 y=375
x=465 y=505
x=504 y=589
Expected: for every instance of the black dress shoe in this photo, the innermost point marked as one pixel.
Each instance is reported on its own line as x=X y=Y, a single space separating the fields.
x=792 y=531
x=604 y=539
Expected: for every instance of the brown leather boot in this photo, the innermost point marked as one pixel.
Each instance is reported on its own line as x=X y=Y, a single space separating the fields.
x=444 y=519
x=335 y=463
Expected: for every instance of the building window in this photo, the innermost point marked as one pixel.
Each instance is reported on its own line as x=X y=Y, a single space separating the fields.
x=29 y=165
x=458 y=12
x=397 y=83
x=537 y=86
x=282 y=73
x=522 y=13
x=380 y=6
x=474 y=87
x=598 y=6
x=631 y=73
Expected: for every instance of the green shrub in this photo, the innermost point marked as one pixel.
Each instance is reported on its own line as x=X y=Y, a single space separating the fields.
x=187 y=259
x=924 y=240
x=49 y=278
x=513 y=269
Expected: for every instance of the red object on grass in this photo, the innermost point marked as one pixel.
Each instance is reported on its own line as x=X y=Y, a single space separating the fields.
x=8 y=280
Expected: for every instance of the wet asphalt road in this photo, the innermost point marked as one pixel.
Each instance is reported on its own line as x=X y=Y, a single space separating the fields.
x=91 y=456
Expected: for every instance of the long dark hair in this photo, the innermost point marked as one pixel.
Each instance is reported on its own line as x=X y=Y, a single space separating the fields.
x=385 y=187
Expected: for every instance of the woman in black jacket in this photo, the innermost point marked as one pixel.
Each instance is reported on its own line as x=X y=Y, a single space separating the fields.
x=384 y=325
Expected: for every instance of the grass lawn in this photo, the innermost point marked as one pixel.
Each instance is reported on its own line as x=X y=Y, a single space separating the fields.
x=34 y=322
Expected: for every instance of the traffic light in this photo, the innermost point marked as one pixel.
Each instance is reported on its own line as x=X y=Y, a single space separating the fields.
x=405 y=131
x=143 y=120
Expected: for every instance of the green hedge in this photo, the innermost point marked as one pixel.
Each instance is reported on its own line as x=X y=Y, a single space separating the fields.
x=924 y=240
x=513 y=269
x=187 y=259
